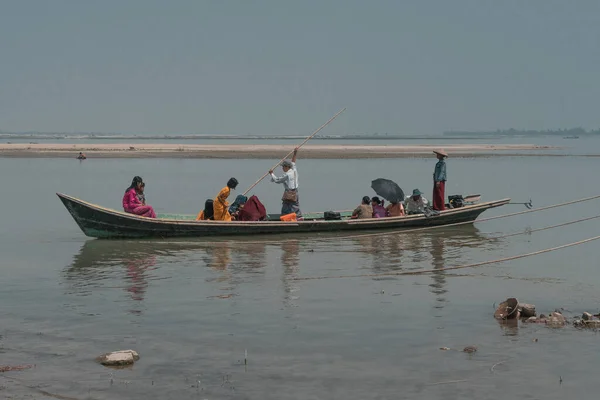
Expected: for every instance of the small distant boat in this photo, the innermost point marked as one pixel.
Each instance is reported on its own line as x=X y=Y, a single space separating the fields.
x=99 y=222
x=571 y=137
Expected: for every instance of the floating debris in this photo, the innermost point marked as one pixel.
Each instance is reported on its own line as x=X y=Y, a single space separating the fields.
x=592 y=324
x=526 y=310
x=508 y=309
x=511 y=309
x=587 y=320
x=556 y=320
x=470 y=349
x=586 y=316
x=7 y=368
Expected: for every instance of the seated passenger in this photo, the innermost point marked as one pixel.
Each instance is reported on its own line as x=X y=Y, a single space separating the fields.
x=208 y=212
x=395 y=210
x=379 y=210
x=416 y=203
x=140 y=193
x=239 y=202
x=131 y=202
x=220 y=204
x=253 y=210
x=364 y=210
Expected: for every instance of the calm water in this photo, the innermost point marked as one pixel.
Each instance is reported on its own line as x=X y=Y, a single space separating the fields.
x=191 y=307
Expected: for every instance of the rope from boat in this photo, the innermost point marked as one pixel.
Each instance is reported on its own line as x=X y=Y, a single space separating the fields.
x=462 y=223
x=473 y=265
x=544 y=228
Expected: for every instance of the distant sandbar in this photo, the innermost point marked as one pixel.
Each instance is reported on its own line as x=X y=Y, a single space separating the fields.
x=258 y=151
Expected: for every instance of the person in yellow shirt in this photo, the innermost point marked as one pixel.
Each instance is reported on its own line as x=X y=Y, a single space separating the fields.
x=220 y=203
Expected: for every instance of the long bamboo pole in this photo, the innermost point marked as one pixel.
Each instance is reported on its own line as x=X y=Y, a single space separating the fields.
x=297 y=147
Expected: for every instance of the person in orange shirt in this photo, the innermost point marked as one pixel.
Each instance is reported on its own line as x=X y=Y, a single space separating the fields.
x=395 y=210
x=220 y=204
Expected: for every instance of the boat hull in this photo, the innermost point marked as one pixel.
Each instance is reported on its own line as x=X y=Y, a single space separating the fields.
x=100 y=222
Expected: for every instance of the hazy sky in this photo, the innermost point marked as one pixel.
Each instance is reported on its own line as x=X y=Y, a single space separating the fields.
x=285 y=67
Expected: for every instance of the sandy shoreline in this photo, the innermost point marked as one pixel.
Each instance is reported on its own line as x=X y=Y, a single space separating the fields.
x=256 y=151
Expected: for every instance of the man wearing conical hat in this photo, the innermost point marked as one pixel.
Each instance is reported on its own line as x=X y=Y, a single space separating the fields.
x=439 y=181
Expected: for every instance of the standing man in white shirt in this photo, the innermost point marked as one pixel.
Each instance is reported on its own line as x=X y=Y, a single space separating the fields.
x=290 y=200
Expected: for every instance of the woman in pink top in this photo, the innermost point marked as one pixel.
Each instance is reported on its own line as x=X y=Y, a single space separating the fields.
x=131 y=202
x=379 y=210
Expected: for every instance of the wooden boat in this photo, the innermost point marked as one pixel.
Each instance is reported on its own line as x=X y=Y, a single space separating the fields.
x=100 y=222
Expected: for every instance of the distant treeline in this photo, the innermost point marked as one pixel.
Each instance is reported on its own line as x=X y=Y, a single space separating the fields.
x=516 y=132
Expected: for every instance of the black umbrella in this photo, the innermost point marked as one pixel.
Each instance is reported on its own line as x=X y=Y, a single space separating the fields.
x=387 y=189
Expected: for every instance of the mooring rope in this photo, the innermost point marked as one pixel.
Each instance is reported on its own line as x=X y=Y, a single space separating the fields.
x=527 y=231
x=429 y=271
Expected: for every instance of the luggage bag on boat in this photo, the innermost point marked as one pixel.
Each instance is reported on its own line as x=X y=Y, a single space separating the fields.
x=456 y=201
x=332 y=216
x=253 y=210
x=288 y=217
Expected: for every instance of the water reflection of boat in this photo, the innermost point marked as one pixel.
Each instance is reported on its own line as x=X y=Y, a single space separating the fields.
x=391 y=251
x=438 y=287
x=290 y=258
x=252 y=255
x=422 y=250
x=92 y=267
x=99 y=253
x=218 y=257
x=290 y=255
x=101 y=260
